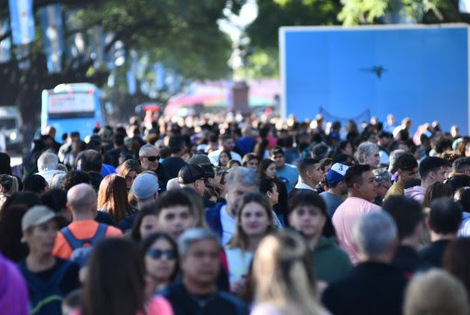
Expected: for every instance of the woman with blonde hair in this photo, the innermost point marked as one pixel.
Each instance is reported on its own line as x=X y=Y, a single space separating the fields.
x=112 y=198
x=435 y=292
x=284 y=280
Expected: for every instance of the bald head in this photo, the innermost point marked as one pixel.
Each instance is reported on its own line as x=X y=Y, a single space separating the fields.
x=81 y=199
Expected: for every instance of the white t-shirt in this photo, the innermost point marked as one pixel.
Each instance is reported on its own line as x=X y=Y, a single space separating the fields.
x=228 y=225
x=238 y=263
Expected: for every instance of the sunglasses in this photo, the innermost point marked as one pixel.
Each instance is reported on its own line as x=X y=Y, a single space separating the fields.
x=153 y=158
x=157 y=253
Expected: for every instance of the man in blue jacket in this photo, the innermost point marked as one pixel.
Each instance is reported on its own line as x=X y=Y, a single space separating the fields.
x=221 y=218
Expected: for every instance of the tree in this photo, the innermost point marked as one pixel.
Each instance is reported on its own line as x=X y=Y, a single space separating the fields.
x=264 y=31
x=182 y=34
x=356 y=12
x=273 y=14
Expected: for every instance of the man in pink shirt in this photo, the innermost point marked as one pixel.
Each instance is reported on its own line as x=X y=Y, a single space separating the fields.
x=362 y=189
x=431 y=170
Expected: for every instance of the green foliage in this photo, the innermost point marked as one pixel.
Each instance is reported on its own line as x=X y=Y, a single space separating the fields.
x=351 y=12
x=356 y=12
x=264 y=31
x=182 y=33
x=276 y=13
x=362 y=11
x=263 y=63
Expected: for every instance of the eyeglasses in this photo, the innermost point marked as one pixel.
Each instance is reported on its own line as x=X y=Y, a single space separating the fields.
x=153 y=158
x=157 y=253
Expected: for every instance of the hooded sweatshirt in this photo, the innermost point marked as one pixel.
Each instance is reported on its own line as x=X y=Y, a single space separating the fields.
x=416 y=192
x=329 y=261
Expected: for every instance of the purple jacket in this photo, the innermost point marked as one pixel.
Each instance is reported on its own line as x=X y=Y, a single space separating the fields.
x=13 y=292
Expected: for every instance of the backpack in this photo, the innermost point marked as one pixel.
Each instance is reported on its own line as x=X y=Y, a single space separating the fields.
x=81 y=254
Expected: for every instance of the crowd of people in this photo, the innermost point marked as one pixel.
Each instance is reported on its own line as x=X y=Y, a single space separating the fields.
x=212 y=215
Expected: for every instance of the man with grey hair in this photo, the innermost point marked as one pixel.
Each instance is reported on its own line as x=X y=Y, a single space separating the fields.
x=384 y=182
x=82 y=202
x=149 y=158
x=368 y=153
x=47 y=165
x=375 y=236
x=374 y=286
x=197 y=293
x=394 y=155
x=221 y=218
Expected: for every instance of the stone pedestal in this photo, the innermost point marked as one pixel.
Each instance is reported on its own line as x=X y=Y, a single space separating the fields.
x=240 y=97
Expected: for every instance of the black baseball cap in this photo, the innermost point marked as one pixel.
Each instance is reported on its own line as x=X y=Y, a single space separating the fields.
x=190 y=173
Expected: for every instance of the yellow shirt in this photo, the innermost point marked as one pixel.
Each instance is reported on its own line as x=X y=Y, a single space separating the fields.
x=395 y=189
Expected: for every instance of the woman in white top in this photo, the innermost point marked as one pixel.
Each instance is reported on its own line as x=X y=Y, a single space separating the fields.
x=254 y=221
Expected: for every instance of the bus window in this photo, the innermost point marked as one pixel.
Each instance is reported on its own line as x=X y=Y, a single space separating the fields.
x=72 y=107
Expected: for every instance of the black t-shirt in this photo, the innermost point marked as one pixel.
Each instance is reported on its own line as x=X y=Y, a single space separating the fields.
x=162 y=179
x=172 y=166
x=434 y=252
x=219 y=302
